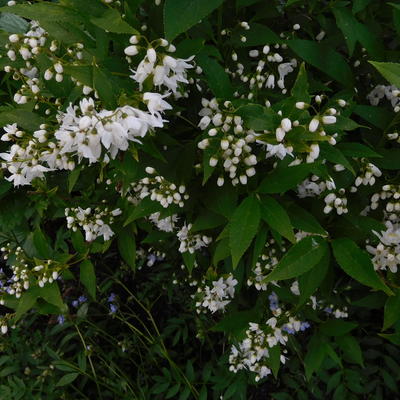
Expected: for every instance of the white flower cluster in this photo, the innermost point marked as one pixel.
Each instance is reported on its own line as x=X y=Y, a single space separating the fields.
x=386 y=255
x=254 y=351
x=390 y=194
x=190 y=241
x=83 y=132
x=265 y=263
x=217 y=296
x=337 y=201
x=367 y=174
x=228 y=142
x=159 y=189
x=391 y=93
x=166 y=224
x=27 y=45
x=313 y=187
x=164 y=70
x=266 y=58
x=94 y=222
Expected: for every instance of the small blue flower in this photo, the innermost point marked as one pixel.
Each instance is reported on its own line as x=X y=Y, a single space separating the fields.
x=60 y=319
x=113 y=308
x=112 y=297
x=75 y=303
x=328 y=310
x=82 y=299
x=304 y=325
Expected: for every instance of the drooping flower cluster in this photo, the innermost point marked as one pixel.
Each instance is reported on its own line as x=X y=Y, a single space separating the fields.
x=336 y=201
x=190 y=241
x=314 y=186
x=390 y=195
x=217 y=296
x=165 y=71
x=253 y=353
x=94 y=222
x=270 y=257
x=166 y=224
x=391 y=93
x=84 y=133
x=386 y=255
x=227 y=142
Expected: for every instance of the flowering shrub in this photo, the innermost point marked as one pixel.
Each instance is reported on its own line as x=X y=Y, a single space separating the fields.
x=199 y=199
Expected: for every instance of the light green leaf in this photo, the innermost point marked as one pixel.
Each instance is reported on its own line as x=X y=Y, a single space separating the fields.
x=300 y=258
x=13 y=23
x=111 y=21
x=258 y=117
x=67 y=379
x=26 y=302
x=300 y=87
x=180 y=15
x=276 y=217
x=389 y=70
x=88 y=277
x=127 y=246
x=243 y=227
x=357 y=263
x=51 y=293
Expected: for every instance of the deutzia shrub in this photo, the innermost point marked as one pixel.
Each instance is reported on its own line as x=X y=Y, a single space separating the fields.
x=202 y=193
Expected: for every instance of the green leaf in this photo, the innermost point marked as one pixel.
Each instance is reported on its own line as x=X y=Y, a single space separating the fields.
x=143 y=209
x=303 y=220
x=236 y=322
x=243 y=227
x=281 y=180
x=258 y=117
x=67 y=379
x=73 y=178
x=26 y=302
x=13 y=23
x=316 y=351
x=257 y=35
x=352 y=149
x=324 y=58
x=351 y=349
x=42 y=246
x=88 y=277
x=335 y=156
x=377 y=116
x=83 y=73
x=389 y=70
x=357 y=263
x=275 y=359
x=359 y=5
x=336 y=327
x=215 y=75
x=103 y=86
x=390 y=159
x=180 y=15
x=276 y=217
x=300 y=258
x=51 y=293
x=311 y=280
x=392 y=310
x=111 y=21
x=127 y=247
x=300 y=87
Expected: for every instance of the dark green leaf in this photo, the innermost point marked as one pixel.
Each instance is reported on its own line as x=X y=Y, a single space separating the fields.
x=127 y=246
x=357 y=263
x=351 y=349
x=243 y=227
x=337 y=327
x=88 y=277
x=111 y=21
x=392 y=310
x=67 y=379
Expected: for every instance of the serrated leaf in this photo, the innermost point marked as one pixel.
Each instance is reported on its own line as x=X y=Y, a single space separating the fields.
x=276 y=217
x=300 y=258
x=337 y=327
x=357 y=263
x=351 y=348
x=243 y=227
x=300 y=87
x=316 y=351
x=88 y=277
x=303 y=220
x=13 y=23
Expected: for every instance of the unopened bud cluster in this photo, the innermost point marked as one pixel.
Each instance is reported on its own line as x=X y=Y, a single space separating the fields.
x=158 y=189
x=227 y=142
x=336 y=201
x=390 y=195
